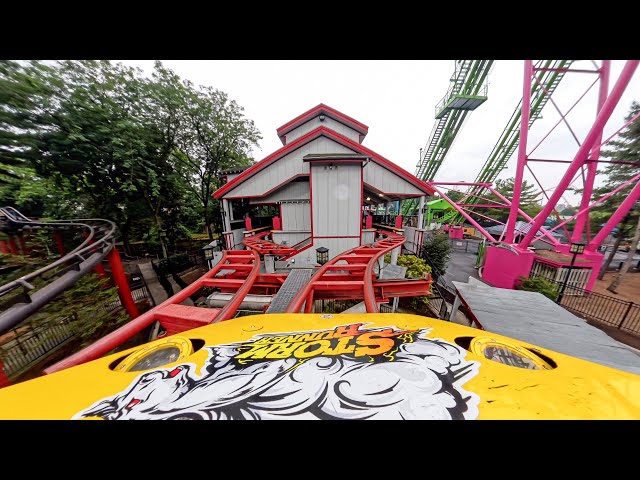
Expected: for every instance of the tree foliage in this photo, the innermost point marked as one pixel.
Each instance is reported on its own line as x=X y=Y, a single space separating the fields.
x=626 y=148
x=99 y=139
x=416 y=267
x=529 y=199
x=538 y=284
x=455 y=195
x=438 y=250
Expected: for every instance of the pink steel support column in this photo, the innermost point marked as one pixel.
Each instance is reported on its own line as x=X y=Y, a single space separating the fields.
x=522 y=151
x=581 y=155
x=464 y=214
x=596 y=202
x=521 y=212
x=626 y=205
x=592 y=167
x=120 y=280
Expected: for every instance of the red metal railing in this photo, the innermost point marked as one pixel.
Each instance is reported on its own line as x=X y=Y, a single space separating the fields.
x=358 y=282
x=242 y=266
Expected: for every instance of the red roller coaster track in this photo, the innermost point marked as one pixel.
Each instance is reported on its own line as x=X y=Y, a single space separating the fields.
x=354 y=279
x=239 y=271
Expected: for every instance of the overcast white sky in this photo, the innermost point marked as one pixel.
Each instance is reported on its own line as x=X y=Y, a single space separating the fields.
x=396 y=99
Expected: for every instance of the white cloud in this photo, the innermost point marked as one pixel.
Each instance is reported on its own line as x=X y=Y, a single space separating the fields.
x=396 y=99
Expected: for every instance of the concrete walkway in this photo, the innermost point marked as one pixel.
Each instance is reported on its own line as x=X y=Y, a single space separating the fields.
x=157 y=291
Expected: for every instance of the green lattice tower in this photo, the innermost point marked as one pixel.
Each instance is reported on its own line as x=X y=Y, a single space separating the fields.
x=509 y=139
x=467 y=91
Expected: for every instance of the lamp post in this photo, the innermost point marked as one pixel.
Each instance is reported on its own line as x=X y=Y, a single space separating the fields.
x=576 y=249
x=322 y=255
x=208 y=254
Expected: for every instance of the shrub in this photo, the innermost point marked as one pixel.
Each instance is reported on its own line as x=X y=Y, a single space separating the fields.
x=438 y=248
x=416 y=267
x=538 y=284
x=419 y=303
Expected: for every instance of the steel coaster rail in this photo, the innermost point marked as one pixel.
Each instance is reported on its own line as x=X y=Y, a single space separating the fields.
x=77 y=263
x=373 y=252
x=170 y=309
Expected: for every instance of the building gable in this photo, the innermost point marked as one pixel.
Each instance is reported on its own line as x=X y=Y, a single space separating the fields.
x=322 y=115
x=286 y=163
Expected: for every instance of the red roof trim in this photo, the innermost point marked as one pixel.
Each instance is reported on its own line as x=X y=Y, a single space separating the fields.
x=312 y=135
x=415 y=181
x=281 y=152
x=269 y=192
x=331 y=112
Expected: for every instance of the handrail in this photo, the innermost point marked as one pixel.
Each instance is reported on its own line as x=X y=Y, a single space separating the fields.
x=369 y=295
x=301 y=242
x=119 y=336
x=88 y=245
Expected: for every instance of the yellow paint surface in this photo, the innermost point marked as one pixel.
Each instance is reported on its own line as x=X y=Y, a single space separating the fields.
x=574 y=389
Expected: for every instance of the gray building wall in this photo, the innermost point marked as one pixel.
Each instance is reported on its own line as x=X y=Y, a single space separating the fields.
x=337 y=207
x=337 y=200
x=335 y=245
x=231 y=176
x=328 y=123
x=285 y=168
x=387 y=181
x=238 y=236
x=290 y=238
x=289 y=191
x=368 y=236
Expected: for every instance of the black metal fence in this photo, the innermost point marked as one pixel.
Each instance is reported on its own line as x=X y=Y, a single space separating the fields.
x=26 y=345
x=333 y=306
x=180 y=263
x=138 y=287
x=622 y=314
x=463 y=245
x=443 y=294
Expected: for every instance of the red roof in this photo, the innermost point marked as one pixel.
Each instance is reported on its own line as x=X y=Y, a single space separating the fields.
x=310 y=136
x=322 y=109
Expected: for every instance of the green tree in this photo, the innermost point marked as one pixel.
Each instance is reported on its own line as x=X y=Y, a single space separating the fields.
x=455 y=195
x=538 y=284
x=529 y=199
x=144 y=152
x=626 y=148
x=216 y=136
x=438 y=248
